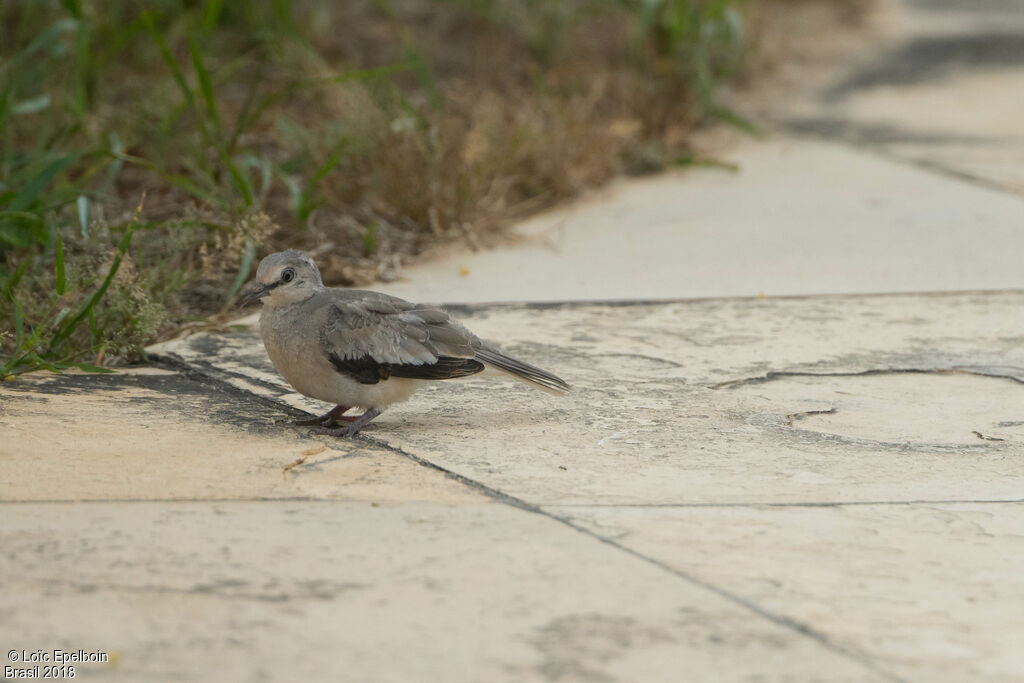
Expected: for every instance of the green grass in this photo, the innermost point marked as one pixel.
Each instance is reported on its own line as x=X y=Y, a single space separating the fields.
x=368 y=131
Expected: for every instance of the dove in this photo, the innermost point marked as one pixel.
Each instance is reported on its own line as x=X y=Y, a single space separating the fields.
x=359 y=348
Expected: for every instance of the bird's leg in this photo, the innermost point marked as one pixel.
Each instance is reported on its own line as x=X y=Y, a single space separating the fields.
x=328 y=418
x=352 y=428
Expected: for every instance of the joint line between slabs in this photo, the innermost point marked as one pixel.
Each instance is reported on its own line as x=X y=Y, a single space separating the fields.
x=882 y=151
x=779 y=620
x=495 y=494
x=798 y=504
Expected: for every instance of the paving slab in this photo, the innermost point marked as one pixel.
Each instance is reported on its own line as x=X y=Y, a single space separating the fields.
x=754 y=488
x=942 y=85
x=198 y=528
x=797 y=216
x=152 y=434
x=743 y=400
x=871 y=446
x=334 y=590
x=932 y=591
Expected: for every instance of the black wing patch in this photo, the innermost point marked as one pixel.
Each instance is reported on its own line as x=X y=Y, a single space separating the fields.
x=366 y=370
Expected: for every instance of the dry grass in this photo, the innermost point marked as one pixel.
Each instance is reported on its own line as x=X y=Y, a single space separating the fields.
x=363 y=131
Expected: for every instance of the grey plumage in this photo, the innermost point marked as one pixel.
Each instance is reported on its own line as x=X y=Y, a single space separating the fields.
x=361 y=348
x=530 y=374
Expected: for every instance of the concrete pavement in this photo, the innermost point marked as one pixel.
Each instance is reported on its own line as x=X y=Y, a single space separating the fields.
x=812 y=488
x=799 y=216
x=740 y=487
x=942 y=88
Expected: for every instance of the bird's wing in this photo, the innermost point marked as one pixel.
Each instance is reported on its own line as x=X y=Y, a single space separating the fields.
x=368 y=325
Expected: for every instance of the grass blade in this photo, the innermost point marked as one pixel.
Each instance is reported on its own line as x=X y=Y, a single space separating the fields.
x=14 y=279
x=22 y=228
x=82 y=204
x=424 y=75
x=205 y=84
x=73 y=7
x=85 y=83
x=31 y=105
x=34 y=187
x=19 y=326
x=369 y=73
x=61 y=276
x=370 y=240
x=5 y=110
x=63 y=313
x=206 y=90
x=240 y=181
x=71 y=324
x=48 y=38
x=308 y=201
x=180 y=181
x=116 y=151
x=37 y=362
x=165 y=52
x=211 y=17
x=248 y=256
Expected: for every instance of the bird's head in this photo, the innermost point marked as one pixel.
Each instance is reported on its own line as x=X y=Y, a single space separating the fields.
x=283 y=278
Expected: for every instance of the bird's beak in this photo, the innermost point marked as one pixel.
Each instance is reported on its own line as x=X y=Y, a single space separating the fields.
x=252 y=293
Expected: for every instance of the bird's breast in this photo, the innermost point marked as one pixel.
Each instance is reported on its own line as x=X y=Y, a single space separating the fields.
x=304 y=365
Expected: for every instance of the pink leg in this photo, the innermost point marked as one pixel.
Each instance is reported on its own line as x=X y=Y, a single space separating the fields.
x=330 y=417
x=351 y=429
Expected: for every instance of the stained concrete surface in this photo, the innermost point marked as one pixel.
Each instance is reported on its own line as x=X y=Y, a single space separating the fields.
x=799 y=216
x=809 y=488
x=153 y=434
x=350 y=592
x=931 y=590
x=725 y=377
x=850 y=465
x=758 y=489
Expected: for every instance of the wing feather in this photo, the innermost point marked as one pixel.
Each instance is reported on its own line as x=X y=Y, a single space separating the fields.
x=390 y=330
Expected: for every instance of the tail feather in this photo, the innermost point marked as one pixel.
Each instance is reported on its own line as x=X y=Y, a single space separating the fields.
x=541 y=379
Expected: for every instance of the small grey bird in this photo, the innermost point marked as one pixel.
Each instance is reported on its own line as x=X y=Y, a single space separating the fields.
x=354 y=347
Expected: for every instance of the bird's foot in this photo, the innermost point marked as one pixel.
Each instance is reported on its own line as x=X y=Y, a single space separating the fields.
x=329 y=418
x=351 y=429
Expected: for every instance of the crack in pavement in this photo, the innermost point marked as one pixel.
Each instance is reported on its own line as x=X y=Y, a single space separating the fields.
x=793 y=417
x=781 y=620
x=986 y=438
x=654 y=359
x=773 y=375
x=467 y=309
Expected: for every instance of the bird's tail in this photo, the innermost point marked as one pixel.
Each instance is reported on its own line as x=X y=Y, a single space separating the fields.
x=532 y=375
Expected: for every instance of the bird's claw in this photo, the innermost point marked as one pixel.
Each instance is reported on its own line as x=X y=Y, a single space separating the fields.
x=355 y=424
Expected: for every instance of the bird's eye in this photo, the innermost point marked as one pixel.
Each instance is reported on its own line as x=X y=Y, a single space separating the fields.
x=288 y=275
